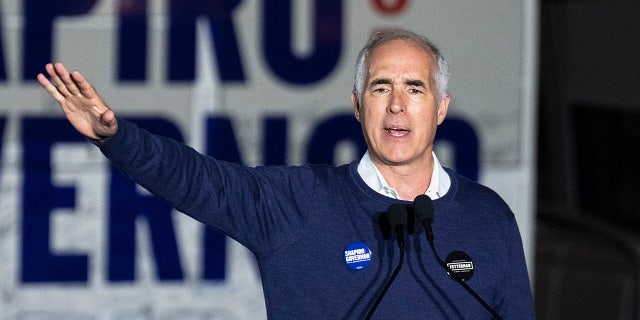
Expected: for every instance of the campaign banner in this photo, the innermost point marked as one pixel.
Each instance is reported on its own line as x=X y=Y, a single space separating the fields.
x=254 y=82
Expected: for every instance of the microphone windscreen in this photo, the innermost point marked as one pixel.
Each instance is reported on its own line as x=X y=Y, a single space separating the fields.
x=423 y=208
x=397 y=215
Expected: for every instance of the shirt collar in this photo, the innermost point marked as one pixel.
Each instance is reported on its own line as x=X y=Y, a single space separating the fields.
x=440 y=180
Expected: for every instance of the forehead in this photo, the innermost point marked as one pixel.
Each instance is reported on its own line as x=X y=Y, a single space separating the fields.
x=400 y=57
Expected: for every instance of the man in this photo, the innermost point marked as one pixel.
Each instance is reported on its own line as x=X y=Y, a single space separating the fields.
x=314 y=229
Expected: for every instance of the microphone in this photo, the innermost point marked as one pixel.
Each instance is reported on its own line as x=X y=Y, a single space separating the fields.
x=397 y=217
x=423 y=208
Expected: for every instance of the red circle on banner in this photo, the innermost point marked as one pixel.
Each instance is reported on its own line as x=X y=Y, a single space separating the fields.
x=389 y=7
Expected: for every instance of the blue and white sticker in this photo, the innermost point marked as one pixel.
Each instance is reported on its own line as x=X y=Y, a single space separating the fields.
x=357 y=256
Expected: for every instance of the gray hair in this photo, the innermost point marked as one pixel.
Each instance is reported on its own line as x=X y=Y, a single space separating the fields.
x=440 y=77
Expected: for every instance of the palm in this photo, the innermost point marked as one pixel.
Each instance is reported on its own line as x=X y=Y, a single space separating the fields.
x=83 y=107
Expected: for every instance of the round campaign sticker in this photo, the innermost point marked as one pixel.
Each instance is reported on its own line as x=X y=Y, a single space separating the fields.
x=460 y=264
x=357 y=256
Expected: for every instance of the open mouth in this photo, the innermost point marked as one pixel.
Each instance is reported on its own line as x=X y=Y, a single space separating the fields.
x=397 y=132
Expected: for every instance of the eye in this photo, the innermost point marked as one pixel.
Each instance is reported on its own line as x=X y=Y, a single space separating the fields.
x=380 y=90
x=415 y=91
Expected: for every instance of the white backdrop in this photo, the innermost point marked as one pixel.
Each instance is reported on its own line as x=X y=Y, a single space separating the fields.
x=490 y=46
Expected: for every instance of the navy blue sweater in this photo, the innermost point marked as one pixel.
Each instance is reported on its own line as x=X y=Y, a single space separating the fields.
x=300 y=222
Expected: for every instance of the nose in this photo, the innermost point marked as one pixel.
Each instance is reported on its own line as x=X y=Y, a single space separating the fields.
x=396 y=102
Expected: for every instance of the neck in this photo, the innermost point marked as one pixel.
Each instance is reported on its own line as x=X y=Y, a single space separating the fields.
x=408 y=180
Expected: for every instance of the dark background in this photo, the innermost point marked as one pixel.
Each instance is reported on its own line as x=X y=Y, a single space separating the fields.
x=588 y=213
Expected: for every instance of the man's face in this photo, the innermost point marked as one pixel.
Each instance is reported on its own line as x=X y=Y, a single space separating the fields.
x=399 y=113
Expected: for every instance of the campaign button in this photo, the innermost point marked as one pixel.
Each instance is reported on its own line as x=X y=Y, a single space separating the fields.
x=357 y=256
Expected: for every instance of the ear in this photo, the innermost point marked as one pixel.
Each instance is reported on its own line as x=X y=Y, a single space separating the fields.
x=356 y=105
x=443 y=107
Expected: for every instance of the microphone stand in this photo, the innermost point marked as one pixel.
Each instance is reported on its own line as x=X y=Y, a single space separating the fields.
x=397 y=217
x=388 y=284
x=423 y=208
x=462 y=283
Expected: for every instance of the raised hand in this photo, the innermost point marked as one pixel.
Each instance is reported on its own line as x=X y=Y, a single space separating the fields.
x=83 y=107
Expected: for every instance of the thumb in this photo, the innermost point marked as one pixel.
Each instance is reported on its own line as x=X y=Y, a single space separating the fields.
x=108 y=124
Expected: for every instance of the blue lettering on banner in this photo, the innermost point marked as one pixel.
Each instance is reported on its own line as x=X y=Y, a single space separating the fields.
x=327 y=134
x=40 y=197
x=182 y=38
x=221 y=140
x=3 y=69
x=327 y=33
x=132 y=43
x=464 y=139
x=3 y=121
x=133 y=31
x=38 y=30
x=274 y=143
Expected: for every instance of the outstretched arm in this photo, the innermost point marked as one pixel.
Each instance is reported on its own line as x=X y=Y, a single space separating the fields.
x=82 y=105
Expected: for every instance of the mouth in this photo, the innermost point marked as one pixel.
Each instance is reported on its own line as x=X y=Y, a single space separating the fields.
x=397 y=131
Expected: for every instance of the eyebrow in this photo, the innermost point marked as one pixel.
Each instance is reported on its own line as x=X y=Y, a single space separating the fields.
x=416 y=83
x=379 y=81
x=413 y=83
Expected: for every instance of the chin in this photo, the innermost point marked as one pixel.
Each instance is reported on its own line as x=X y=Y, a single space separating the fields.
x=397 y=160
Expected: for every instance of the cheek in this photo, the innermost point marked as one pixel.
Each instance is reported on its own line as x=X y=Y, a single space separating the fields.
x=368 y=116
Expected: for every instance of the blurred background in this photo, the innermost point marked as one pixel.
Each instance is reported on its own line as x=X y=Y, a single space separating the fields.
x=588 y=201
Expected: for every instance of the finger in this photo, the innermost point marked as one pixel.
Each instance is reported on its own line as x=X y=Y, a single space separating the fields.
x=49 y=87
x=69 y=84
x=88 y=91
x=85 y=88
x=55 y=80
x=65 y=76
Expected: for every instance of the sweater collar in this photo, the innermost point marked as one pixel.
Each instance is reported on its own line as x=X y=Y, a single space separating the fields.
x=438 y=187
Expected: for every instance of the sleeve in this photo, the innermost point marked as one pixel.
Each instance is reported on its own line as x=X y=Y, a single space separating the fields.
x=516 y=300
x=256 y=206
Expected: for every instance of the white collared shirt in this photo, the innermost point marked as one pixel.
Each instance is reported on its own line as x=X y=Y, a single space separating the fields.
x=440 y=181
